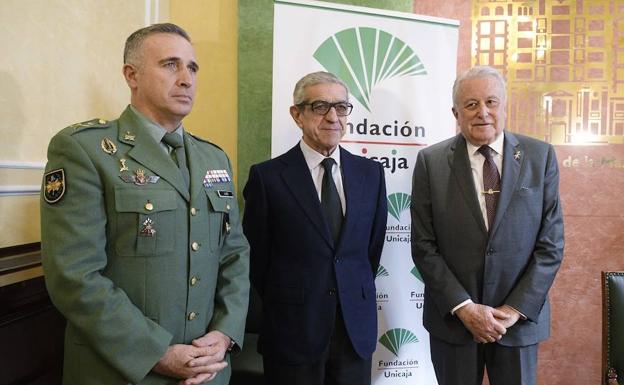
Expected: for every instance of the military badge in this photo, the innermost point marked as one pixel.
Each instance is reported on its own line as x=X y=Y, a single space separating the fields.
x=122 y=166
x=108 y=146
x=147 y=230
x=216 y=176
x=139 y=178
x=129 y=136
x=54 y=186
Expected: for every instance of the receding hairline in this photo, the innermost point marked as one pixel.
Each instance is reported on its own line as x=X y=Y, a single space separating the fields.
x=135 y=41
x=478 y=72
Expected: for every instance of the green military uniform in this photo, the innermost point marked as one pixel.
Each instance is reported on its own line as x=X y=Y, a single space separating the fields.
x=134 y=260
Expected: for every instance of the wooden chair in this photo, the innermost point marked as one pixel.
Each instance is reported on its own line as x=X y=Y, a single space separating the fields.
x=612 y=327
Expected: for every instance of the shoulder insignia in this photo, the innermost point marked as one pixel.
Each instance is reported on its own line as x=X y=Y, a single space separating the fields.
x=204 y=140
x=93 y=123
x=54 y=185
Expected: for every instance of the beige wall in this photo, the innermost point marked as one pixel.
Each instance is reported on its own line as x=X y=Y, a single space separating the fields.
x=213 y=26
x=61 y=64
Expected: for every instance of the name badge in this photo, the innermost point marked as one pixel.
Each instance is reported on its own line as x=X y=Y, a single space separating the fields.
x=225 y=194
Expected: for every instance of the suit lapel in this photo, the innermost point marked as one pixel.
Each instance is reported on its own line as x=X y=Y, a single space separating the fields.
x=147 y=152
x=353 y=185
x=298 y=180
x=511 y=172
x=460 y=167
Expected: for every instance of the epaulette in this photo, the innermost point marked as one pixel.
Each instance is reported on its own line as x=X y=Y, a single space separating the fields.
x=93 y=123
x=204 y=140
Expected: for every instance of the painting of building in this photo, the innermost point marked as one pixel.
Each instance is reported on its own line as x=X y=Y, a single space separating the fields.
x=564 y=64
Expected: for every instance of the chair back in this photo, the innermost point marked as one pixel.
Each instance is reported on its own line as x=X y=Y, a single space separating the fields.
x=612 y=327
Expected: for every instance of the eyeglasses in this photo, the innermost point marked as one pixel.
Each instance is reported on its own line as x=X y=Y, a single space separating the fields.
x=321 y=107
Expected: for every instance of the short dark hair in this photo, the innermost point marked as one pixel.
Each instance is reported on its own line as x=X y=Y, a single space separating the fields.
x=134 y=41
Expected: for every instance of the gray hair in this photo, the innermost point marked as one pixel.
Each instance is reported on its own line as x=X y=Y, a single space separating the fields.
x=135 y=40
x=313 y=79
x=478 y=72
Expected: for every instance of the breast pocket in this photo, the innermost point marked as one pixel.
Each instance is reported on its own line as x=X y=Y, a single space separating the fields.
x=219 y=217
x=145 y=221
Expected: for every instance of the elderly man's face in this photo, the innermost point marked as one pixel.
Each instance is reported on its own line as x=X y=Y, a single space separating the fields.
x=321 y=132
x=480 y=109
x=164 y=79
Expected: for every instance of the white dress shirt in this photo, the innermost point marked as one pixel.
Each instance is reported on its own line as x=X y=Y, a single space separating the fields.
x=313 y=160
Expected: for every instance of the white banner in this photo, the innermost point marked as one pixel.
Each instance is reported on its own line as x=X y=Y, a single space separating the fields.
x=400 y=69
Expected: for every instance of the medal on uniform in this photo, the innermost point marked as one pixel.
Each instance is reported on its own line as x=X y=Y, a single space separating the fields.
x=123 y=165
x=216 y=176
x=139 y=178
x=129 y=136
x=108 y=146
x=147 y=230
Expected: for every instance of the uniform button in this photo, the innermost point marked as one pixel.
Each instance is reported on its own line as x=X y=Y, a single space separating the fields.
x=194 y=281
x=332 y=291
x=193 y=211
x=227 y=206
x=149 y=206
x=195 y=246
x=192 y=315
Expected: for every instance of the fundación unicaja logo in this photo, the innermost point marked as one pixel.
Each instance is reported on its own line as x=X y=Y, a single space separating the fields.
x=397 y=203
x=382 y=272
x=363 y=57
x=393 y=339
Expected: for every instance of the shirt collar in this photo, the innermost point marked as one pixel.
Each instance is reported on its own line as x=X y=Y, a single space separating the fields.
x=313 y=158
x=496 y=145
x=154 y=129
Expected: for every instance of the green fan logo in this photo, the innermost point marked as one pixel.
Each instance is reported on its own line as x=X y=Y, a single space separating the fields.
x=364 y=57
x=416 y=274
x=397 y=203
x=382 y=272
x=393 y=339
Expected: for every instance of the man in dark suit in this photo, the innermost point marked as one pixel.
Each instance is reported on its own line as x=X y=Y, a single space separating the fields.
x=315 y=218
x=487 y=237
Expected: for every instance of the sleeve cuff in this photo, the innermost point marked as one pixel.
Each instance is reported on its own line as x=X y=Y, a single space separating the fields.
x=466 y=302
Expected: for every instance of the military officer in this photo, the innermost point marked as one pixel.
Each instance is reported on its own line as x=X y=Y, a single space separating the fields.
x=142 y=246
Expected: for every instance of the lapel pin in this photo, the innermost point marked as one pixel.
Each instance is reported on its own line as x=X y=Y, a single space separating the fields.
x=517 y=155
x=123 y=165
x=108 y=146
x=129 y=136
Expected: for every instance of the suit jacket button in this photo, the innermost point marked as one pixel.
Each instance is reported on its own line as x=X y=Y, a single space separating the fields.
x=336 y=260
x=192 y=315
x=332 y=291
x=194 y=281
x=195 y=246
x=193 y=211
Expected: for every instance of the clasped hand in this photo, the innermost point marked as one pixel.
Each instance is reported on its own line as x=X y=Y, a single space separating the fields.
x=485 y=323
x=197 y=363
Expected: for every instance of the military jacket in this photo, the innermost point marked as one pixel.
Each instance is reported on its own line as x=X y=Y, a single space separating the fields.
x=133 y=259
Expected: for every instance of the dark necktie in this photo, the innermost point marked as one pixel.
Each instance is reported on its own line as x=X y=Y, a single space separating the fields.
x=177 y=143
x=330 y=200
x=491 y=184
